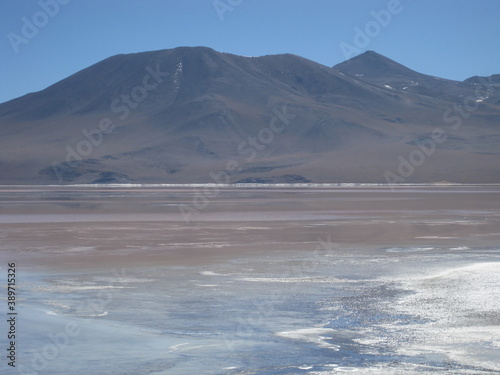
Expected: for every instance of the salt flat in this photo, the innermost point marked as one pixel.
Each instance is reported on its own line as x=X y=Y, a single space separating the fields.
x=261 y=280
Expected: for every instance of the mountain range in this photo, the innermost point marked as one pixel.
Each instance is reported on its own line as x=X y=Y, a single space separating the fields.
x=195 y=115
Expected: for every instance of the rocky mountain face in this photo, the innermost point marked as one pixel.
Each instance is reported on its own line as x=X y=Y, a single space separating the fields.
x=192 y=114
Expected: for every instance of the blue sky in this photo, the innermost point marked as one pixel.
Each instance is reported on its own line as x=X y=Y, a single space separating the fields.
x=452 y=39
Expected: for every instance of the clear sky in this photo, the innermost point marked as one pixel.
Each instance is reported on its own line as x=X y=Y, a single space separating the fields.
x=42 y=44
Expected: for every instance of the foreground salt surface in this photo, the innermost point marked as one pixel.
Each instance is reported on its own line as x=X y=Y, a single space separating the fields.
x=463 y=306
x=264 y=299
x=216 y=321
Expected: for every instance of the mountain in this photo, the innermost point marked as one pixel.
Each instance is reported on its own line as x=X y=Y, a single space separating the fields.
x=192 y=114
x=379 y=70
x=492 y=84
x=493 y=79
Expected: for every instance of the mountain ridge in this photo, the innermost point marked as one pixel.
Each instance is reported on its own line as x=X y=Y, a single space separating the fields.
x=178 y=114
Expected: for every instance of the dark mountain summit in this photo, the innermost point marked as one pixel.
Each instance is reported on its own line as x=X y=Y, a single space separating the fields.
x=371 y=65
x=191 y=113
x=377 y=69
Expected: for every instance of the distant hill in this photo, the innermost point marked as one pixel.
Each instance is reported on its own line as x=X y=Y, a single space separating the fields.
x=192 y=114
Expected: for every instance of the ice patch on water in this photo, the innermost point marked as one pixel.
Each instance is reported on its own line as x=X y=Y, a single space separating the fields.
x=458 y=222
x=398 y=368
x=313 y=335
x=79 y=315
x=71 y=249
x=74 y=288
x=408 y=249
x=470 y=288
x=211 y=273
x=251 y=228
x=58 y=304
x=460 y=310
x=305 y=367
x=124 y=280
x=434 y=237
x=317 y=279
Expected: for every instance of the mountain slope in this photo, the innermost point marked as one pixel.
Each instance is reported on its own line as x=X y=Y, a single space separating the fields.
x=382 y=71
x=189 y=113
